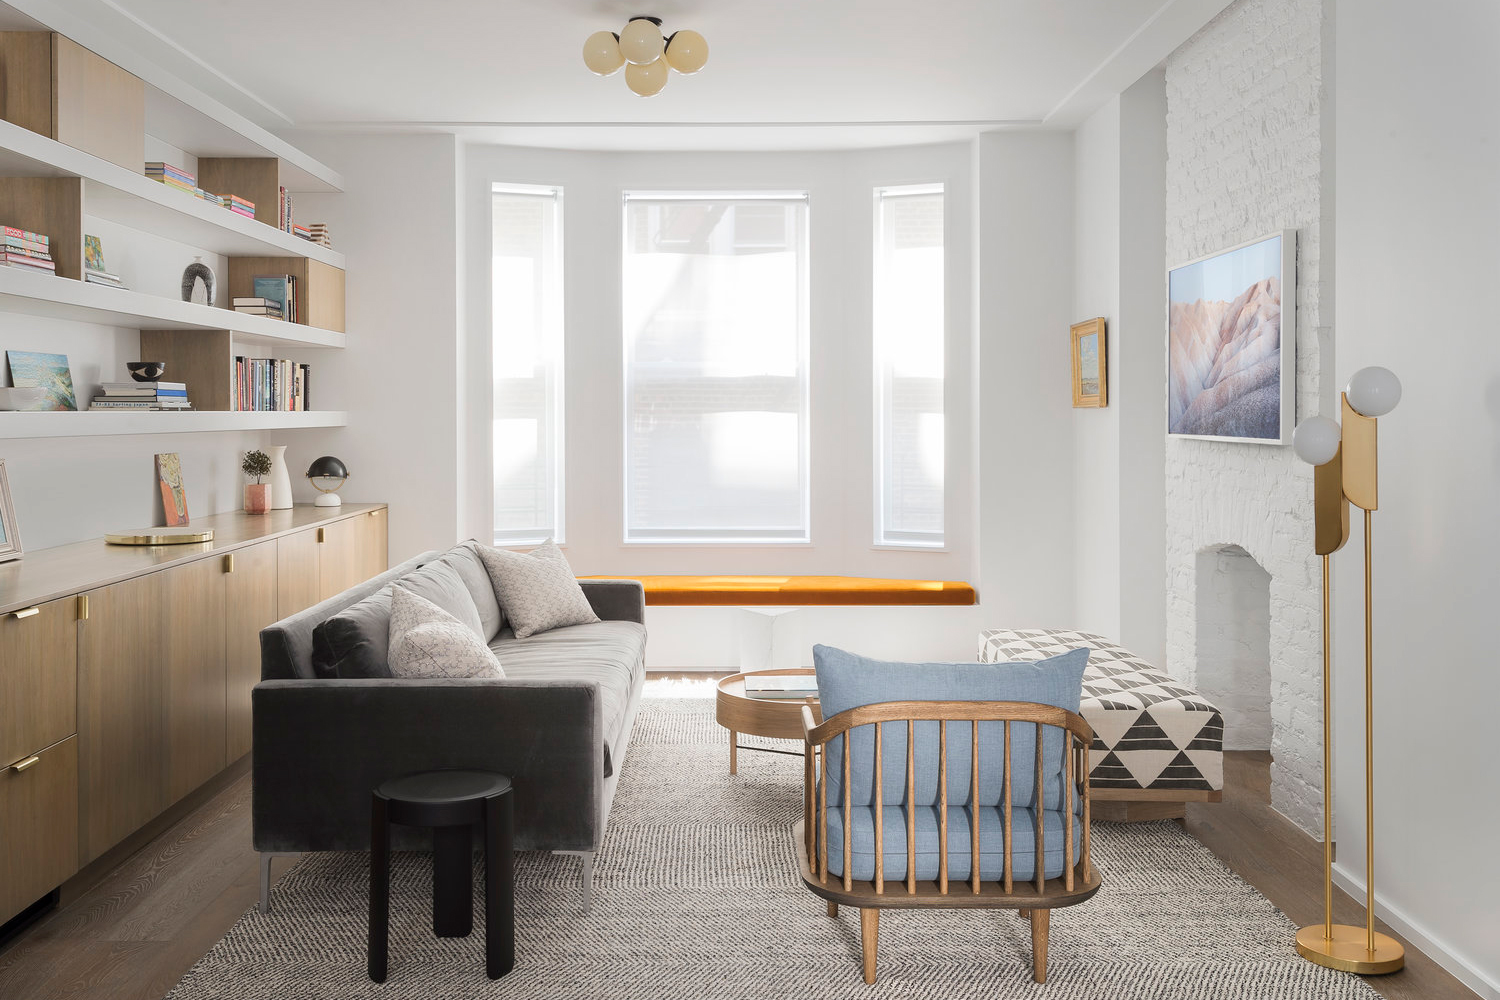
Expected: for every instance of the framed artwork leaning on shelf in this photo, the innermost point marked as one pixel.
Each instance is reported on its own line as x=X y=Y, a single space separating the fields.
x=10 y=535
x=1090 y=379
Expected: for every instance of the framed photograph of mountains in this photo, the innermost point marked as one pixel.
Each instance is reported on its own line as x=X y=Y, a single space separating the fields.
x=1231 y=345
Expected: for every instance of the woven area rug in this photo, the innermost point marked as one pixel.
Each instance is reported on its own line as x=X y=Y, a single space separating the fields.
x=697 y=896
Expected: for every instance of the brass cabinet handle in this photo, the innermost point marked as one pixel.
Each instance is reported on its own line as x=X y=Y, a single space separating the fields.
x=320 y=534
x=229 y=563
x=26 y=612
x=83 y=607
x=29 y=762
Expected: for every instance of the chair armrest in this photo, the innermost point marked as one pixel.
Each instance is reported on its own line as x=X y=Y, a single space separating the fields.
x=321 y=747
x=616 y=600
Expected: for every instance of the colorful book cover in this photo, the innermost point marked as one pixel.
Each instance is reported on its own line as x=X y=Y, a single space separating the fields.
x=173 y=492
x=25 y=235
x=275 y=288
x=93 y=254
x=47 y=372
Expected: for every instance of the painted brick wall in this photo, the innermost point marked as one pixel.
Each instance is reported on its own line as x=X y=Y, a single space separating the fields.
x=1245 y=158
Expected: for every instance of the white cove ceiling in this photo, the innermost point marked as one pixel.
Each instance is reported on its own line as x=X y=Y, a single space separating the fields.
x=781 y=66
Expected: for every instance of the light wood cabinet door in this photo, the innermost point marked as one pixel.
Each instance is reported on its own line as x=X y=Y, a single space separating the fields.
x=342 y=557
x=122 y=736
x=192 y=628
x=38 y=677
x=374 y=533
x=298 y=576
x=38 y=826
x=249 y=606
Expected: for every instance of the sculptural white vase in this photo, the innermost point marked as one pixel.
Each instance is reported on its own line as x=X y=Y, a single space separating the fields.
x=280 y=480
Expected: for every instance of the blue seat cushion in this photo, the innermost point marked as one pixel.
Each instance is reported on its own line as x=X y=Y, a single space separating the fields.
x=960 y=856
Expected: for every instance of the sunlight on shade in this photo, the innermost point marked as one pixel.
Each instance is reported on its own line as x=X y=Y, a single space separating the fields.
x=752 y=450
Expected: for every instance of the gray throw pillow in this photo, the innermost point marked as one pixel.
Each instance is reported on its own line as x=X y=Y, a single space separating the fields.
x=426 y=641
x=465 y=559
x=537 y=589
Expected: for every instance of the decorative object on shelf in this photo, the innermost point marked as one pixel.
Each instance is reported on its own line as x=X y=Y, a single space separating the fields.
x=645 y=54
x=257 y=494
x=1090 y=374
x=47 y=372
x=146 y=371
x=160 y=536
x=281 y=479
x=28 y=398
x=1231 y=346
x=1344 y=457
x=173 y=491
x=193 y=275
x=94 y=270
x=10 y=535
x=333 y=475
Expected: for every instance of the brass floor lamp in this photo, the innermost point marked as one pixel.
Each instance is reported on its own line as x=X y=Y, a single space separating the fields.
x=1345 y=473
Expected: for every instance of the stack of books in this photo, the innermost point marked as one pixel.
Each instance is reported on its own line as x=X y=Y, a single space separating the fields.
x=103 y=278
x=28 y=251
x=173 y=177
x=238 y=205
x=302 y=231
x=281 y=290
x=318 y=233
x=142 y=396
x=253 y=306
x=781 y=687
x=270 y=384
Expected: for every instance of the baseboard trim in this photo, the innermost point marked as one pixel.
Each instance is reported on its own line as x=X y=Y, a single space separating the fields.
x=1396 y=918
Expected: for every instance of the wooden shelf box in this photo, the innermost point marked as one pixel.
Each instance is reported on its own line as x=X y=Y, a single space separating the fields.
x=56 y=87
x=320 y=285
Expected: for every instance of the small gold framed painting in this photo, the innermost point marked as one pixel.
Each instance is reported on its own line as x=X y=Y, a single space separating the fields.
x=1090 y=381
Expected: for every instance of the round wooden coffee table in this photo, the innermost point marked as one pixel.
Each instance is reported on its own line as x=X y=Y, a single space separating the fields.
x=773 y=717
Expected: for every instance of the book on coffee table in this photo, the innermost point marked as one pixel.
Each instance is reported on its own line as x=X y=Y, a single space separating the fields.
x=781 y=686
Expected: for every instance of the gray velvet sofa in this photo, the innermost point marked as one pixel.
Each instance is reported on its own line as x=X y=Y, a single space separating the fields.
x=558 y=724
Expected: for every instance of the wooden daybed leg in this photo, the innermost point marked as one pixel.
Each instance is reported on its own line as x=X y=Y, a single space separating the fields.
x=869 y=936
x=833 y=908
x=1039 y=925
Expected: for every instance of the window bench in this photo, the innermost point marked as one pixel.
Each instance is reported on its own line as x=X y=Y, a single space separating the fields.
x=799 y=591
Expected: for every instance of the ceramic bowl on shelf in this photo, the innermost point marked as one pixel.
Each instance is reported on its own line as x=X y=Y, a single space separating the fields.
x=20 y=399
x=146 y=371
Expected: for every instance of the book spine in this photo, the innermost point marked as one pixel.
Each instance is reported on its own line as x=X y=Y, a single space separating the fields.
x=26 y=235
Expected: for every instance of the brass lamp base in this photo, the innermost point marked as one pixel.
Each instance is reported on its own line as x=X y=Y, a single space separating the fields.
x=1346 y=950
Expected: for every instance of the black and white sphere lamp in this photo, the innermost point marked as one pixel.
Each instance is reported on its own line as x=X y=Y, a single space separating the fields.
x=327 y=475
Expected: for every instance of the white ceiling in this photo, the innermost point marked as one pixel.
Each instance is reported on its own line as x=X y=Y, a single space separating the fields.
x=781 y=70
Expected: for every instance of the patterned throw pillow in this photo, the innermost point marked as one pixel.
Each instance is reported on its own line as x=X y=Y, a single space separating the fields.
x=537 y=589
x=427 y=641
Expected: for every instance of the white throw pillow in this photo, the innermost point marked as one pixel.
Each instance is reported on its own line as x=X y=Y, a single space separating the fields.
x=536 y=589
x=427 y=641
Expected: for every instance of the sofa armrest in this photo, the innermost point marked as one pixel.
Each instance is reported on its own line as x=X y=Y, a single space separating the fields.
x=616 y=600
x=322 y=746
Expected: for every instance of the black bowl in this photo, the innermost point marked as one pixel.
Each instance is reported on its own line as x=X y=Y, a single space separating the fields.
x=146 y=371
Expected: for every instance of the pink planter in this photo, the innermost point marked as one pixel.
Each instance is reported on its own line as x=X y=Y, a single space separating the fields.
x=257 y=498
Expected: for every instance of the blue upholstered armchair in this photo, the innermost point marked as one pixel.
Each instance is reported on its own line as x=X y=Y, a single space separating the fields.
x=936 y=751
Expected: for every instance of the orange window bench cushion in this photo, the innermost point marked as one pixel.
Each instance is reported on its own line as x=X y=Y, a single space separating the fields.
x=793 y=591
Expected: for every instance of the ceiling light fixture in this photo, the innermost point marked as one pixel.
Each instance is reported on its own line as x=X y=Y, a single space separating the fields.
x=645 y=53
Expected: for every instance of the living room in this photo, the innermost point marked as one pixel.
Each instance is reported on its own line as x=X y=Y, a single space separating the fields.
x=645 y=369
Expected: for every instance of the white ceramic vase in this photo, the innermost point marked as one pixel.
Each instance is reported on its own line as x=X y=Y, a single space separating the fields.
x=280 y=480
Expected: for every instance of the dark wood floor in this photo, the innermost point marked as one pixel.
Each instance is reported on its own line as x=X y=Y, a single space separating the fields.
x=132 y=935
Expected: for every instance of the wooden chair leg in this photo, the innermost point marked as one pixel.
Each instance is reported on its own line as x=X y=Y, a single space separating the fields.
x=833 y=909
x=869 y=938
x=1040 y=919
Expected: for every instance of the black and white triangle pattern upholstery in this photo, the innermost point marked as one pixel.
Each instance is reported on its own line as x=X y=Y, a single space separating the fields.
x=1149 y=730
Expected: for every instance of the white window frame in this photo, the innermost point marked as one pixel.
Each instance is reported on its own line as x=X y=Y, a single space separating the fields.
x=555 y=378
x=883 y=538
x=725 y=538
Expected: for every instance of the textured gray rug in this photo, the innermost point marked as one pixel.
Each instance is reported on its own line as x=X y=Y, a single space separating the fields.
x=698 y=896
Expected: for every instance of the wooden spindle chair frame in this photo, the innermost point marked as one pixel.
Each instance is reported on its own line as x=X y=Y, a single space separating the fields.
x=1035 y=899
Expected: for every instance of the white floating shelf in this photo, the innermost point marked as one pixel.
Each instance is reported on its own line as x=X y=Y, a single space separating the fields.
x=51 y=297
x=92 y=422
x=133 y=199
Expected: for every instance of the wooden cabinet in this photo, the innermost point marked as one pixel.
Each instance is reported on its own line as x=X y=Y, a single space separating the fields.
x=38 y=825
x=298 y=568
x=54 y=86
x=249 y=605
x=192 y=630
x=38 y=677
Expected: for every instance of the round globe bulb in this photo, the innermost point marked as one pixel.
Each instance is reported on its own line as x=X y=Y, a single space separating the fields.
x=601 y=53
x=1374 y=391
x=641 y=43
x=1316 y=440
x=646 y=80
x=686 y=51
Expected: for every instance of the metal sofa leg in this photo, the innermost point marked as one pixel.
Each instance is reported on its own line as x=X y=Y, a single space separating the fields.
x=586 y=858
x=265 y=876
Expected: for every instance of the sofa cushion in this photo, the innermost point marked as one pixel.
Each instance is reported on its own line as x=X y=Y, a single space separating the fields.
x=612 y=653
x=356 y=641
x=927 y=855
x=427 y=641
x=537 y=589
x=465 y=559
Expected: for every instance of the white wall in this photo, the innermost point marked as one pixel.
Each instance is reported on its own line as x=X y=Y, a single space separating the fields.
x=1419 y=253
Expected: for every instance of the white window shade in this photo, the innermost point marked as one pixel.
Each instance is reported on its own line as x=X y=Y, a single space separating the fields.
x=909 y=334
x=715 y=309
x=527 y=351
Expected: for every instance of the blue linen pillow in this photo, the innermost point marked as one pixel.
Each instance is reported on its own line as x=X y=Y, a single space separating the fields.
x=848 y=680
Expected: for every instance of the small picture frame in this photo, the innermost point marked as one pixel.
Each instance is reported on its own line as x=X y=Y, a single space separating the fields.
x=10 y=535
x=1090 y=375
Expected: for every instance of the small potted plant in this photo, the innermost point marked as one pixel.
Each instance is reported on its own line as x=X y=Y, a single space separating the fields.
x=258 y=494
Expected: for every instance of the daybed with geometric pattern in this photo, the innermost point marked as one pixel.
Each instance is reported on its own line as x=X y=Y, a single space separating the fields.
x=1155 y=740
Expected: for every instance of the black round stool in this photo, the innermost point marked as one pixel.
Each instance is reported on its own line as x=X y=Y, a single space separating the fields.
x=450 y=802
